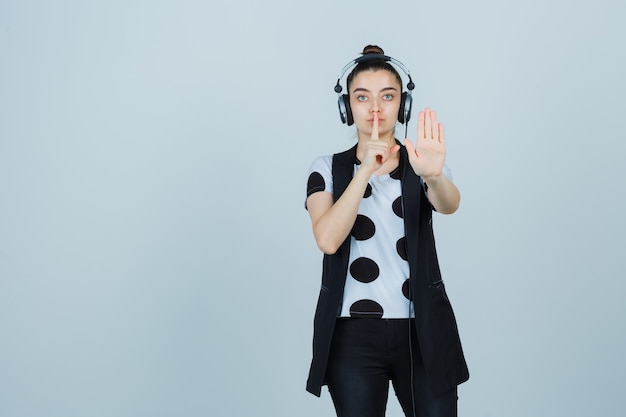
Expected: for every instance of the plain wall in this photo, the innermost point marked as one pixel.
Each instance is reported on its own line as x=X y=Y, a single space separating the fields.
x=155 y=255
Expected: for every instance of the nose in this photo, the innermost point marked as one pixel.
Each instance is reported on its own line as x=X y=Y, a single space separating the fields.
x=375 y=108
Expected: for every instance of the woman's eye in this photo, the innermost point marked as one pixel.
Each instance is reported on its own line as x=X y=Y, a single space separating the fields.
x=388 y=97
x=361 y=98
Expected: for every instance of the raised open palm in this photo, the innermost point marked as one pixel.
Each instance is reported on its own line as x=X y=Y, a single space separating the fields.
x=429 y=153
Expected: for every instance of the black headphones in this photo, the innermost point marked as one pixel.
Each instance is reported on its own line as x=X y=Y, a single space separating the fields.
x=406 y=101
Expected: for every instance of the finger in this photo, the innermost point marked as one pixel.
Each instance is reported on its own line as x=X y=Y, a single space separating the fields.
x=378 y=150
x=375 y=127
x=374 y=154
x=435 y=126
x=441 y=134
x=427 y=124
x=420 y=125
x=381 y=156
x=393 y=150
x=410 y=149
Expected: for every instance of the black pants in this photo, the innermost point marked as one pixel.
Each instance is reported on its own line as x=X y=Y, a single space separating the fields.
x=368 y=353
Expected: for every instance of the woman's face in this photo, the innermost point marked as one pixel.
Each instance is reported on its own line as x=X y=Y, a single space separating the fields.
x=375 y=92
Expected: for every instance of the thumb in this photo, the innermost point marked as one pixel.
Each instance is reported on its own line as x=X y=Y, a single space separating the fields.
x=410 y=149
x=409 y=146
x=392 y=151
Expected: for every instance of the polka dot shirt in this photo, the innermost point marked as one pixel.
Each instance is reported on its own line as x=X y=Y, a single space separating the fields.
x=377 y=283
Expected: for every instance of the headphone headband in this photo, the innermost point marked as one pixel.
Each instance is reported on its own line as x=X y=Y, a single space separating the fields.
x=372 y=57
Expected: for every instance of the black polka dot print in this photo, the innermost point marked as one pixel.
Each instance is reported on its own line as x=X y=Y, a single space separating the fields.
x=366 y=309
x=363 y=228
x=368 y=191
x=401 y=248
x=364 y=270
x=406 y=289
x=315 y=183
x=397 y=207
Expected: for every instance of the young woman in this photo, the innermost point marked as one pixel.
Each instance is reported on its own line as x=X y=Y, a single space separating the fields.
x=383 y=313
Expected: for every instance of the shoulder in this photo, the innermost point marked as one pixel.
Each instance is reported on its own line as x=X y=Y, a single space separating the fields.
x=322 y=164
x=320 y=175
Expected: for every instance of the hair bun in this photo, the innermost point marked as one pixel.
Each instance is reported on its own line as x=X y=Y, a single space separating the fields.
x=373 y=49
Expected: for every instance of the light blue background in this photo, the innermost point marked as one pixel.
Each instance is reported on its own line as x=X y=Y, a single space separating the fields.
x=155 y=255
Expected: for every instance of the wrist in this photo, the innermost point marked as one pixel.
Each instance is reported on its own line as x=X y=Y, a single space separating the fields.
x=366 y=170
x=432 y=180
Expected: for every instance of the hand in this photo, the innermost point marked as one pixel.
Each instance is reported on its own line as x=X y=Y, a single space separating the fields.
x=377 y=151
x=429 y=153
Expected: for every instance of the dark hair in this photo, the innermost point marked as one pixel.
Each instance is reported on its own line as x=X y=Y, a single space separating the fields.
x=372 y=65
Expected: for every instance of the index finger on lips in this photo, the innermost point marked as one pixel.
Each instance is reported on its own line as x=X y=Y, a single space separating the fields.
x=375 y=127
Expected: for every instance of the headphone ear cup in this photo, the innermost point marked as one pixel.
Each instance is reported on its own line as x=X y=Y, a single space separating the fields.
x=406 y=102
x=344 y=109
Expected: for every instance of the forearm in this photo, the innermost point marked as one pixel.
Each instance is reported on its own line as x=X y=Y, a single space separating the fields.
x=334 y=226
x=443 y=194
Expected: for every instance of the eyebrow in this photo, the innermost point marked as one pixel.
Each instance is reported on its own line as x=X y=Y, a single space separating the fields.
x=356 y=90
